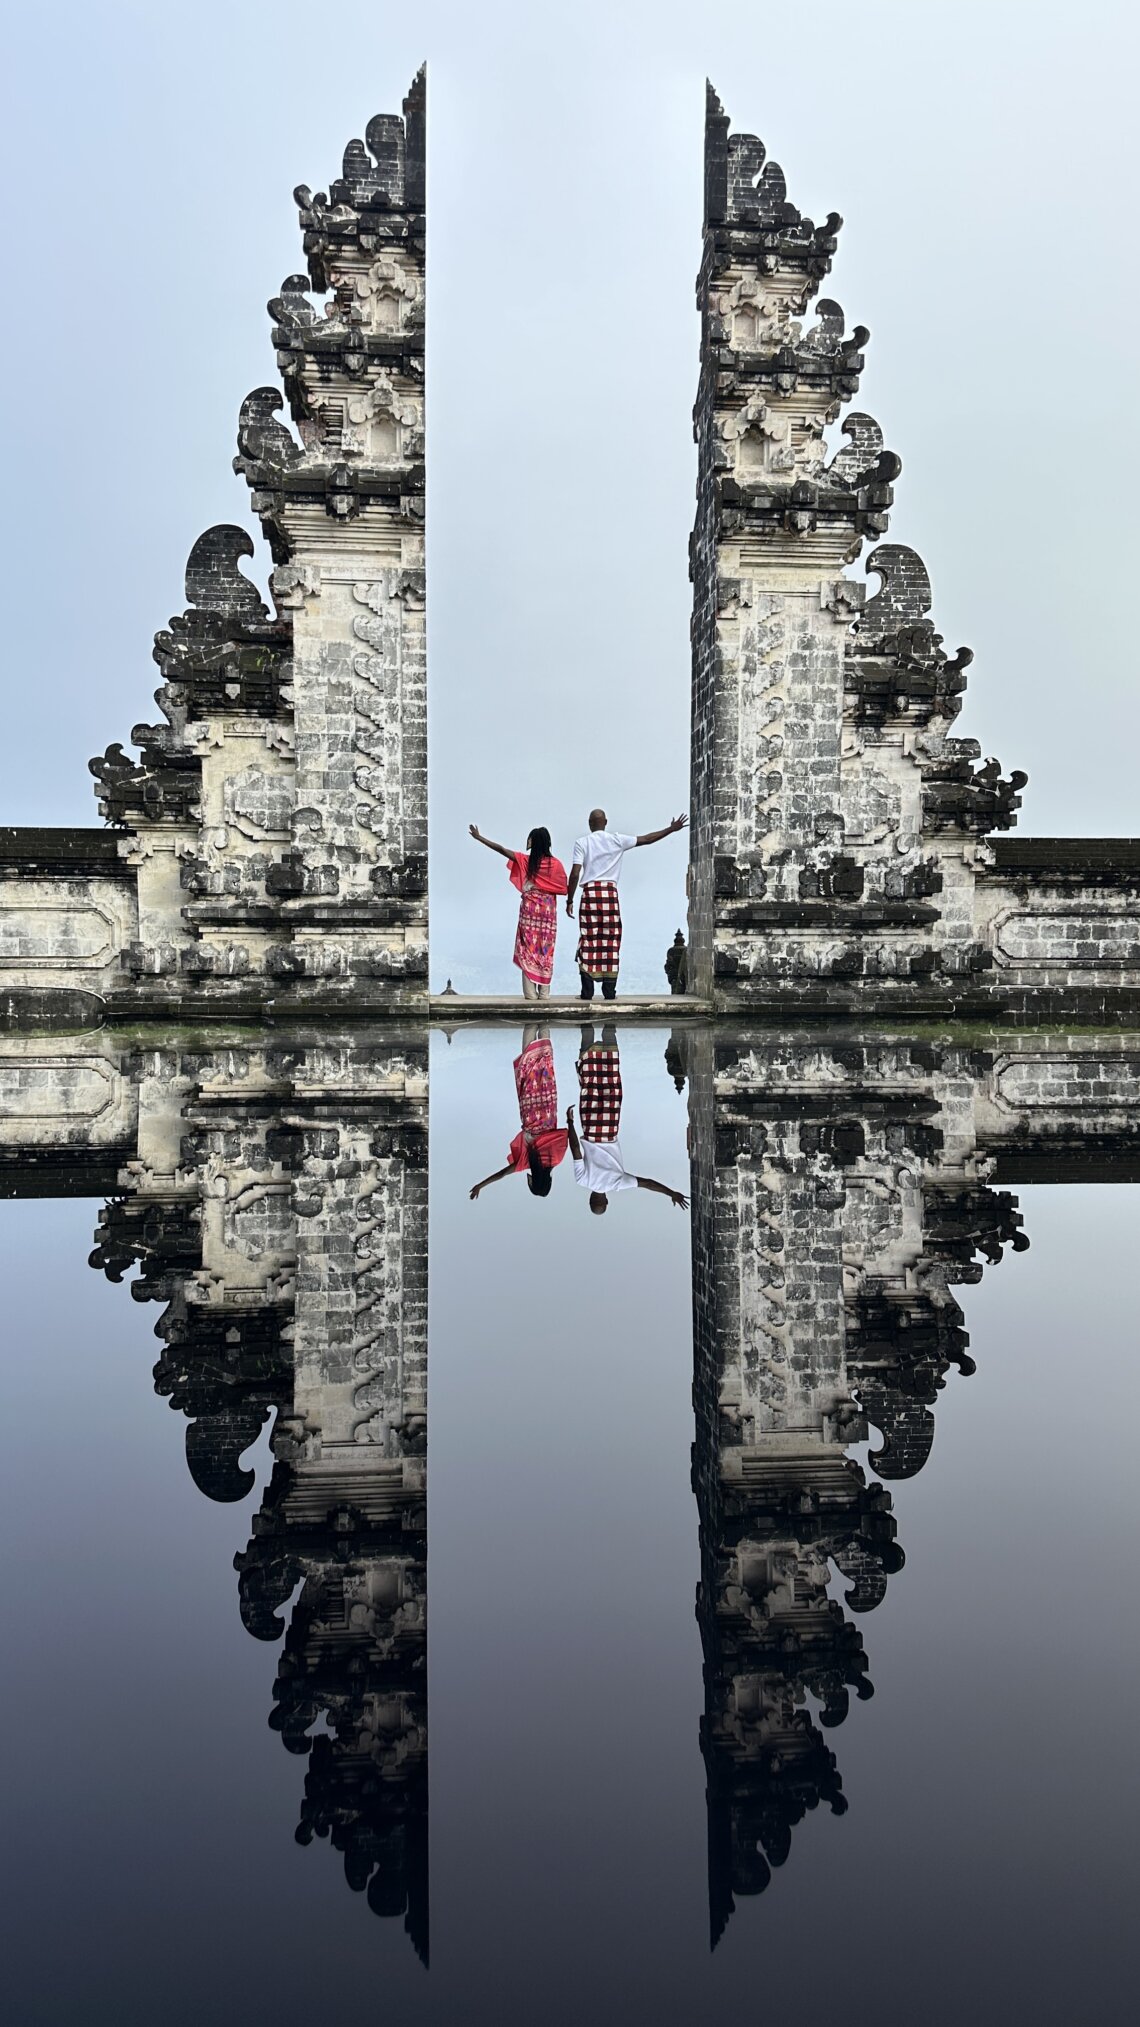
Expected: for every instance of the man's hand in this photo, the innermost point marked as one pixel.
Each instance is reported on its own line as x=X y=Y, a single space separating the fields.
x=682 y=1202
x=570 y=908
x=655 y=837
x=569 y=1118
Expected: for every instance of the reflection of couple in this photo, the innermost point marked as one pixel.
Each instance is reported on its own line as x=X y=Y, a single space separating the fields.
x=540 y=878
x=598 y=1164
x=540 y=1144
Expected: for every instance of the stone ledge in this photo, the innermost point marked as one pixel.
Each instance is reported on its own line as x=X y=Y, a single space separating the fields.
x=1106 y=861
x=72 y=849
x=567 y=1007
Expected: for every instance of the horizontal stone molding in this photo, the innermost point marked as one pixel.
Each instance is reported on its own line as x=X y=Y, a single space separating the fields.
x=41 y=933
x=1069 y=1082
x=1065 y=938
x=64 y=1088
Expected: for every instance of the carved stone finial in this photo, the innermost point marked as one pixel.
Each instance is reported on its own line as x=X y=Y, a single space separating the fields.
x=214 y=583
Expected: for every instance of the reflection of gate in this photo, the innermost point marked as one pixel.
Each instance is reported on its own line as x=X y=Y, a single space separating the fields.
x=841 y=1192
x=272 y=1196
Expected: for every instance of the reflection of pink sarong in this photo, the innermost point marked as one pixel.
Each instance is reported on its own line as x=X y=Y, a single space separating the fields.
x=537 y=1094
x=536 y=1088
x=534 y=940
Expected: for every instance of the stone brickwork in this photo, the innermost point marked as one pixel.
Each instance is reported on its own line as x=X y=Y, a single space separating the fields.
x=272 y=1197
x=842 y=1189
x=268 y=846
x=841 y=848
x=270 y=840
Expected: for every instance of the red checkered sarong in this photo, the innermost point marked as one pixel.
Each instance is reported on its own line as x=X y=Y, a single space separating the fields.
x=599 y=1094
x=599 y=930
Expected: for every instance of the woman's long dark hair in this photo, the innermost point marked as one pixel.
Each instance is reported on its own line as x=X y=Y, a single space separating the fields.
x=539 y=843
x=540 y=1178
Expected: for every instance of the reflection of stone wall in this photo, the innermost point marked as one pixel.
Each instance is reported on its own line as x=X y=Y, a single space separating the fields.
x=272 y=1197
x=841 y=1192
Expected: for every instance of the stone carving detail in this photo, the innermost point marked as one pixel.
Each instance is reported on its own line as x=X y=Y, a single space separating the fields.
x=290 y=769
x=821 y=719
x=270 y=839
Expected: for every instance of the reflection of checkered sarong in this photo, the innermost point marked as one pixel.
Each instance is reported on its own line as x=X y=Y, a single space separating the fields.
x=599 y=1097
x=599 y=930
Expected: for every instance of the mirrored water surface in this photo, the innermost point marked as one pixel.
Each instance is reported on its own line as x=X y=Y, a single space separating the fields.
x=468 y=1564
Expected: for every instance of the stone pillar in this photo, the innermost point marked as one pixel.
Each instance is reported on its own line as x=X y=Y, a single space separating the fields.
x=828 y=804
x=343 y=509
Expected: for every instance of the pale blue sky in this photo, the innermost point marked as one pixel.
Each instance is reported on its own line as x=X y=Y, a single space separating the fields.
x=985 y=159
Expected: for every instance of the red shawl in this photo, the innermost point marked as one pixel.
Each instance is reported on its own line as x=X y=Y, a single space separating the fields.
x=550 y=878
x=550 y=1148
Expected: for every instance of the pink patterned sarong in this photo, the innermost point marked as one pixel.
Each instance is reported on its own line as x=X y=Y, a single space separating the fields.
x=534 y=938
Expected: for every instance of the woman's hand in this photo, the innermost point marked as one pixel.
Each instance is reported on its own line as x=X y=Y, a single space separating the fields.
x=475 y=1192
x=475 y=831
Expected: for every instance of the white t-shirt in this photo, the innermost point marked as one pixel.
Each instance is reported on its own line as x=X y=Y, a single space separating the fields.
x=600 y=854
x=601 y=1166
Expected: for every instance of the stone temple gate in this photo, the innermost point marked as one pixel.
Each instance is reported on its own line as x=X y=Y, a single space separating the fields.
x=268 y=847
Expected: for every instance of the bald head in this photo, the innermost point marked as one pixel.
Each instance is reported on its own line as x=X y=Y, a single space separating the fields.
x=597 y=819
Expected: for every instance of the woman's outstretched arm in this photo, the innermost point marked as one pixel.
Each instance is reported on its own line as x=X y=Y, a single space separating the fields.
x=487 y=1179
x=489 y=842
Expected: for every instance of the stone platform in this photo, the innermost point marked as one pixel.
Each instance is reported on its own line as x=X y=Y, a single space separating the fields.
x=643 y=1006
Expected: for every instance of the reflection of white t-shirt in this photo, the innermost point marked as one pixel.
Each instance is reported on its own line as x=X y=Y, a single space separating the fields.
x=600 y=854
x=601 y=1168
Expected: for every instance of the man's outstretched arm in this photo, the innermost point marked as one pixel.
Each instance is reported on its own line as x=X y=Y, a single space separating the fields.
x=575 y=872
x=655 y=837
x=663 y=1189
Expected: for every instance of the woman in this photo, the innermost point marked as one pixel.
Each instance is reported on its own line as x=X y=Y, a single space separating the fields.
x=540 y=879
x=541 y=1143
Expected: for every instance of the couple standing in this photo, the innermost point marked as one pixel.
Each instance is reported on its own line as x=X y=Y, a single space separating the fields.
x=540 y=879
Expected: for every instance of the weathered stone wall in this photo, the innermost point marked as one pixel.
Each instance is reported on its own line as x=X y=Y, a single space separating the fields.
x=840 y=845
x=68 y=909
x=270 y=842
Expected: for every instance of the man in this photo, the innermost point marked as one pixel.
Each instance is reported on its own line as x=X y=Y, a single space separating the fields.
x=597 y=863
x=597 y=1157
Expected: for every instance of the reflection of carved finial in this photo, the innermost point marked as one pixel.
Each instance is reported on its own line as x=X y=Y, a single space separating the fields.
x=262 y=440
